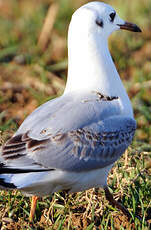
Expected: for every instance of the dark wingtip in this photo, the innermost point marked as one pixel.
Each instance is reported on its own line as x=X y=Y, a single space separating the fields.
x=7 y=170
x=6 y=185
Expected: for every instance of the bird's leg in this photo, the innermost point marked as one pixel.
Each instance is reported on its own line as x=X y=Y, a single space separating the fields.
x=33 y=208
x=114 y=203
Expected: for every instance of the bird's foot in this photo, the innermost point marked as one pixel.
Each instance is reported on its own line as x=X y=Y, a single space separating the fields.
x=115 y=203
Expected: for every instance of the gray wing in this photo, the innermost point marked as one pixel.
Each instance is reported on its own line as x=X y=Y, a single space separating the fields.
x=73 y=134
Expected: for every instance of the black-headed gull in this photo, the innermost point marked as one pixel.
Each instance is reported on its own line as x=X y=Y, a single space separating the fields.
x=71 y=142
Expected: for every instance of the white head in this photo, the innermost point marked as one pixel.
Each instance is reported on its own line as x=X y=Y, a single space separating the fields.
x=101 y=18
x=89 y=58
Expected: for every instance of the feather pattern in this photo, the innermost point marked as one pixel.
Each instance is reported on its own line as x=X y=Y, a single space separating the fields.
x=86 y=147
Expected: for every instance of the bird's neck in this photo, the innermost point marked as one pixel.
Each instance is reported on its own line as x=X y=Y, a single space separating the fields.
x=91 y=67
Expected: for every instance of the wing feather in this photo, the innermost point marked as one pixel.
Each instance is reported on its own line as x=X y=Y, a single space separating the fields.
x=74 y=133
x=76 y=150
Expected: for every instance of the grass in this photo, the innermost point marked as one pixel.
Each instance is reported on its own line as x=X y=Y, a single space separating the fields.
x=30 y=76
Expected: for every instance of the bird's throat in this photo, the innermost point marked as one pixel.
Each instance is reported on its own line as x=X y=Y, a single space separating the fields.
x=91 y=67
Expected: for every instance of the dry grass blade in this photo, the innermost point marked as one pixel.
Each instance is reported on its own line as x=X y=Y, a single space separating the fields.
x=48 y=26
x=126 y=158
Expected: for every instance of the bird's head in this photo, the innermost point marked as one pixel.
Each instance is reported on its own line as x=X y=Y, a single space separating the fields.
x=98 y=17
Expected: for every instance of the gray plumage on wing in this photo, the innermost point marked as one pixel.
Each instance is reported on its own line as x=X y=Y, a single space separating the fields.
x=71 y=133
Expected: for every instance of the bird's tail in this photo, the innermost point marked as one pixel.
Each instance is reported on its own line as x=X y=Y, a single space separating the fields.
x=5 y=179
x=12 y=178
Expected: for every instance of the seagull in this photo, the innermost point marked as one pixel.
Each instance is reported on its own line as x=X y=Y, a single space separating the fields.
x=71 y=142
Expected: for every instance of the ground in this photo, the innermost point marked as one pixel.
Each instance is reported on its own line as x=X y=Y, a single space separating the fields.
x=33 y=69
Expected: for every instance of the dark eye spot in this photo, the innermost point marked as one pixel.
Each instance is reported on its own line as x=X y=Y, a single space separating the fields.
x=112 y=16
x=99 y=22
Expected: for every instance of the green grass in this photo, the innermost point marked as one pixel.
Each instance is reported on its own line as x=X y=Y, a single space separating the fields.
x=29 y=77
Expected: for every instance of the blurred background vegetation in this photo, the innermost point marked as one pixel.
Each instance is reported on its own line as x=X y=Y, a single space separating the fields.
x=33 y=69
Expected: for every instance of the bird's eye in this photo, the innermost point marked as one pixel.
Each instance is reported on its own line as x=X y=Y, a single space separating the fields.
x=99 y=22
x=112 y=16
